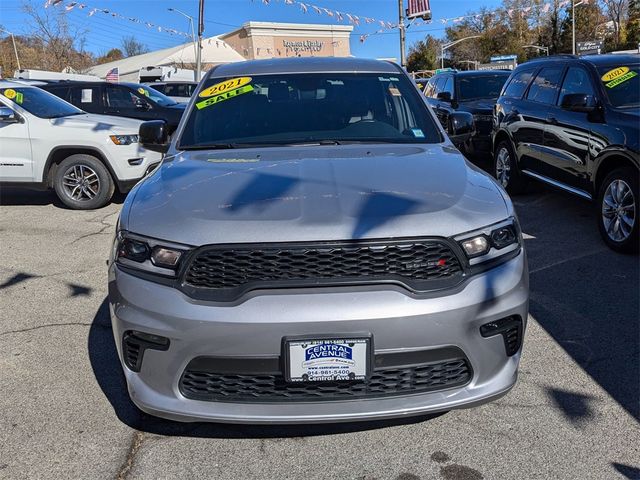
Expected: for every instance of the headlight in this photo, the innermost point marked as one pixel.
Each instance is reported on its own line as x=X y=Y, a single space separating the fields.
x=491 y=242
x=149 y=255
x=124 y=139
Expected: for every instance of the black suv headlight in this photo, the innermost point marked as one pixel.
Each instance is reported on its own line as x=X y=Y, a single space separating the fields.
x=147 y=254
x=491 y=242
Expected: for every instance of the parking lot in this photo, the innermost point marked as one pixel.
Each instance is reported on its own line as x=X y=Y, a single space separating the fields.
x=65 y=412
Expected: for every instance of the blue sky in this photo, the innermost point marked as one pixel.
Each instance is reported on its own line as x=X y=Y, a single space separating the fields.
x=104 y=32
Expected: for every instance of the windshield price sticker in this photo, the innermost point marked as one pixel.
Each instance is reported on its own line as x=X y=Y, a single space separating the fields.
x=10 y=93
x=225 y=86
x=19 y=98
x=224 y=96
x=621 y=79
x=143 y=91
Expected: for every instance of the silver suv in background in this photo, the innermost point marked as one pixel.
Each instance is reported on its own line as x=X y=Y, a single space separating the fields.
x=313 y=248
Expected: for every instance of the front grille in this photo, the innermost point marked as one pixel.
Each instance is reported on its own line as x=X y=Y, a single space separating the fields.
x=268 y=388
x=228 y=271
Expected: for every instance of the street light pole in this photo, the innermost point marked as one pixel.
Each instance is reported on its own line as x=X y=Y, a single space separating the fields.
x=200 y=30
x=538 y=47
x=193 y=36
x=573 y=24
x=401 y=27
x=444 y=47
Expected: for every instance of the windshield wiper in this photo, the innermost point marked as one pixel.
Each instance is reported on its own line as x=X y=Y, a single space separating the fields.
x=211 y=146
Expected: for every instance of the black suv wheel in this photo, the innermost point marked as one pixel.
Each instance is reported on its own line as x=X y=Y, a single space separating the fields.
x=618 y=209
x=82 y=182
x=505 y=168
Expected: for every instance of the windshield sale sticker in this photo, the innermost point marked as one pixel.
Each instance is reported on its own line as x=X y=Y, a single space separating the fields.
x=615 y=73
x=10 y=93
x=225 y=86
x=621 y=79
x=224 y=96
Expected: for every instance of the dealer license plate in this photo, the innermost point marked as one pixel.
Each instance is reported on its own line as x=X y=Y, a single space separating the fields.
x=327 y=360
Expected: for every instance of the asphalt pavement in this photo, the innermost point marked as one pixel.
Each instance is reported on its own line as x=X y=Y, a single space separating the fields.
x=65 y=413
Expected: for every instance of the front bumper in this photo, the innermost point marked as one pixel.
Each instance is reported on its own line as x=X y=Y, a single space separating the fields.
x=255 y=328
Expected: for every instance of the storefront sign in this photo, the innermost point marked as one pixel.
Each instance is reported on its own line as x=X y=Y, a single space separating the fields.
x=303 y=45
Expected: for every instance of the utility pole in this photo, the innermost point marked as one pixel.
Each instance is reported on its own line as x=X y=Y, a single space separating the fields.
x=200 y=30
x=15 y=49
x=401 y=27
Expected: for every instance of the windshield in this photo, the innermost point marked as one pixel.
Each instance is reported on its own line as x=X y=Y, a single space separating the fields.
x=622 y=84
x=308 y=108
x=40 y=103
x=484 y=86
x=154 y=95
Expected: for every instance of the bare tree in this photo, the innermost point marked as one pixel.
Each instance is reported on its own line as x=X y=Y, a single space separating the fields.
x=131 y=47
x=616 y=12
x=52 y=43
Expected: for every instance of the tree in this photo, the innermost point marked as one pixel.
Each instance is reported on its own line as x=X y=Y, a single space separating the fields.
x=51 y=43
x=423 y=55
x=588 y=18
x=131 y=47
x=633 y=24
x=615 y=11
x=111 y=56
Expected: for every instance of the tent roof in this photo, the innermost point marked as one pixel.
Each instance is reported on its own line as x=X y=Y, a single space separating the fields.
x=214 y=51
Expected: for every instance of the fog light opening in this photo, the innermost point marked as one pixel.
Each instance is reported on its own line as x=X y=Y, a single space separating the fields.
x=134 y=344
x=511 y=329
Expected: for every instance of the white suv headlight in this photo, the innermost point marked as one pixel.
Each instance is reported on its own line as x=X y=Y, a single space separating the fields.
x=124 y=139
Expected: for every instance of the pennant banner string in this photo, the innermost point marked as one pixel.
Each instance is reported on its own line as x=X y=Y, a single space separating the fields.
x=68 y=6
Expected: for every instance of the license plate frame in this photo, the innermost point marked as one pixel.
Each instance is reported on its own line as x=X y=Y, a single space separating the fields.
x=361 y=369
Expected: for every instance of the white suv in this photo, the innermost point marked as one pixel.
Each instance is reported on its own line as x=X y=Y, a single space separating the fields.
x=50 y=143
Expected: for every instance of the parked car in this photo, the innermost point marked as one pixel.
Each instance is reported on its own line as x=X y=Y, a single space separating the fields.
x=574 y=123
x=179 y=91
x=315 y=249
x=474 y=91
x=47 y=142
x=131 y=100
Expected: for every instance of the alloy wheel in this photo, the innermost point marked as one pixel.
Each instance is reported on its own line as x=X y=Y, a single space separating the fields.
x=618 y=210
x=81 y=183
x=503 y=166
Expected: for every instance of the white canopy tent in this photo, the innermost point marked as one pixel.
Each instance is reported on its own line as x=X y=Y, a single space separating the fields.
x=214 y=52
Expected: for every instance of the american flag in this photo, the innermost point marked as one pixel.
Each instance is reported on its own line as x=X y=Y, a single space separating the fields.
x=113 y=75
x=419 y=8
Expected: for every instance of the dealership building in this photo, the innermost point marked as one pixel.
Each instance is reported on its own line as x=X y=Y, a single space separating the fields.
x=254 y=40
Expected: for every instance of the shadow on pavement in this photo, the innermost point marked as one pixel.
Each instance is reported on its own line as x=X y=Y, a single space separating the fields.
x=108 y=372
x=632 y=473
x=26 y=196
x=585 y=296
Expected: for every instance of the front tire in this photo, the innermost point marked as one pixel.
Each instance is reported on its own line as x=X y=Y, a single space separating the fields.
x=505 y=169
x=617 y=210
x=82 y=182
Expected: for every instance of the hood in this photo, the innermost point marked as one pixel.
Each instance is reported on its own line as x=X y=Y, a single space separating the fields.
x=482 y=105
x=89 y=121
x=313 y=193
x=180 y=105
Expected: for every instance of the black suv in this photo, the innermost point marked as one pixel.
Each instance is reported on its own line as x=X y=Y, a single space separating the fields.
x=131 y=100
x=474 y=92
x=574 y=123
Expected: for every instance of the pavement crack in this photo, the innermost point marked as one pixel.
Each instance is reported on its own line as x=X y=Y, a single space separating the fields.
x=38 y=327
x=87 y=235
x=136 y=443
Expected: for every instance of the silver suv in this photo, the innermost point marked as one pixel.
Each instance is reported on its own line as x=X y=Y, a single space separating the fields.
x=313 y=248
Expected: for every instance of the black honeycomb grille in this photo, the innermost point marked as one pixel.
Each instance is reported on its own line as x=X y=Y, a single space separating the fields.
x=419 y=264
x=268 y=388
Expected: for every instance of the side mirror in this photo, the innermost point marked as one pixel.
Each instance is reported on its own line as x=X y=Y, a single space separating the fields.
x=8 y=116
x=444 y=96
x=154 y=136
x=579 y=102
x=461 y=127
